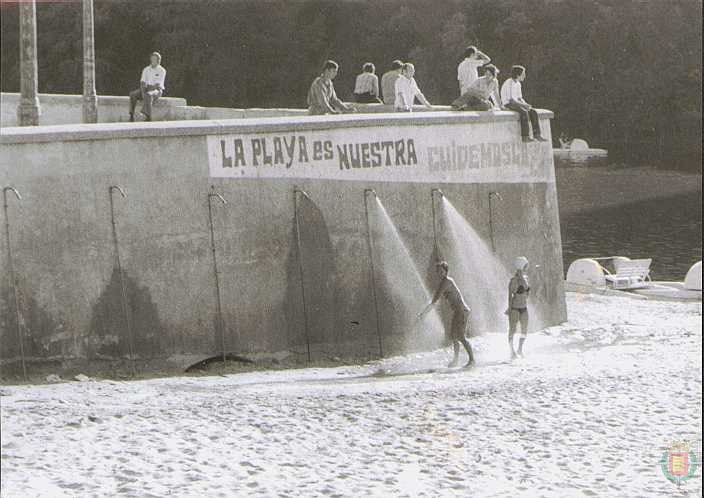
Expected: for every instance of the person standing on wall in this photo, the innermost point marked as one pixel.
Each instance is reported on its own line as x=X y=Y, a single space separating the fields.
x=366 y=86
x=512 y=99
x=322 y=98
x=517 y=311
x=151 y=87
x=460 y=312
x=388 y=82
x=407 y=90
x=481 y=93
x=467 y=71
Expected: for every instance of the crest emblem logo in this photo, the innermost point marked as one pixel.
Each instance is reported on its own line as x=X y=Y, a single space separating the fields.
x=679 y=463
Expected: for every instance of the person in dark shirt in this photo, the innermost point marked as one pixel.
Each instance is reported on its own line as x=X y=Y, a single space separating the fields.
x=322 y=98
x=460 y=312
x=518 y=290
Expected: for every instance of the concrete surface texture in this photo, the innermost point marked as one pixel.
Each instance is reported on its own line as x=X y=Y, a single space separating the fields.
x=61 y=109
x=69 y=291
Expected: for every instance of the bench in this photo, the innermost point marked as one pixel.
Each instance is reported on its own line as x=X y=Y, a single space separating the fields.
x=629 y=273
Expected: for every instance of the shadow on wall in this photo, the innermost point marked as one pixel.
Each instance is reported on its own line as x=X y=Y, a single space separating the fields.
x=317 y=265
x=108 y=335
x=39 y=330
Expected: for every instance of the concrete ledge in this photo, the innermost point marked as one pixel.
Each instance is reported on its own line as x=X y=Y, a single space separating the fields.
x=58 y=109
x=293 y=123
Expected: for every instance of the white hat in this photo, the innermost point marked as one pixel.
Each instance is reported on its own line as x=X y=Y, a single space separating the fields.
x=520 y=263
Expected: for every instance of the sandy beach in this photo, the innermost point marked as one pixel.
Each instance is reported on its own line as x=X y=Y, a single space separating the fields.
x=589 y=412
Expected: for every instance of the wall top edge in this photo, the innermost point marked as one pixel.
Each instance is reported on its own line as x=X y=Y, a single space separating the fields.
x=160 y=129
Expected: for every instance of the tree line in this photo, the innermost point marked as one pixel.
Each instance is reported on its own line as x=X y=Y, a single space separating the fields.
x=619 y=73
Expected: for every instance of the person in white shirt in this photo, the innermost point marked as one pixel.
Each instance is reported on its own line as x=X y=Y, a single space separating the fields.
x=151 y=87
x=512 y=99
x=467 y=71
x=407 y=90
x=366 y=86
x=481 y=93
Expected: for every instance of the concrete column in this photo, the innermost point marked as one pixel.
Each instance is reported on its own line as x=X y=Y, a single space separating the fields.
x=28 y=110
x=90 y=99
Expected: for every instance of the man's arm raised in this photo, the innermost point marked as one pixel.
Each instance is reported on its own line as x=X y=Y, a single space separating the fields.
x=482 y=56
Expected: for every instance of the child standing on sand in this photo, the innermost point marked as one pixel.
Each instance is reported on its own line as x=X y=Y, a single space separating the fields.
x=517 y=311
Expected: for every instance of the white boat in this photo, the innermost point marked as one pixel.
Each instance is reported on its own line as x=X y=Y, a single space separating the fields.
x=577 y=151
x=631 y=277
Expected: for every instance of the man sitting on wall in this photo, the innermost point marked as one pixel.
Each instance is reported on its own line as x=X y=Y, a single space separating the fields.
x=151 y=87
x=407 y=90
x=322 y=98
x=512 y=99
x=467 y=70
x=479 y=95
x=388 y=82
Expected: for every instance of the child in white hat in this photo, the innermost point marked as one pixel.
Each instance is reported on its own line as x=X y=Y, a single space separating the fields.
x=517 y=311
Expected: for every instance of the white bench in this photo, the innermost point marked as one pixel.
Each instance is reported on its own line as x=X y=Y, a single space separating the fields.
x=630 y=273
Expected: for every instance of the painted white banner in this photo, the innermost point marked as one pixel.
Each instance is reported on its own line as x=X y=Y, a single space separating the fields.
x=471 y=153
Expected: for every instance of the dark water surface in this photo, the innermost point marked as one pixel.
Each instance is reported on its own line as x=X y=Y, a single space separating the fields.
x=633 y=212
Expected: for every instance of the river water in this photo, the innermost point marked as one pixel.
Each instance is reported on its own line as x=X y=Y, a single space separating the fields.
x=636 y=212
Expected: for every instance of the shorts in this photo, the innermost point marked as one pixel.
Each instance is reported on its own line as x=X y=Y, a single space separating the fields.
x=516 y=316
x=458 y=325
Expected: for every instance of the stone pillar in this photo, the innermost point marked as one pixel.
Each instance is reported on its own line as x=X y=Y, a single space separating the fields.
x=90 y=99
x=28 y=110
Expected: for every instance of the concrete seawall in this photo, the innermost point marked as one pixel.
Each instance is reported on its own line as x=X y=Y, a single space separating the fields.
x=69 y=291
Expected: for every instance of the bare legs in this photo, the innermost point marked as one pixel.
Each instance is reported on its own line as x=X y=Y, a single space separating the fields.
x=459 y=327
x=456 y=350
x=515 y=317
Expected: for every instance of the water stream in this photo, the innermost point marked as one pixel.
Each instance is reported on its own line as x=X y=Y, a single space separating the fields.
x=480 y=275
x=402 y=285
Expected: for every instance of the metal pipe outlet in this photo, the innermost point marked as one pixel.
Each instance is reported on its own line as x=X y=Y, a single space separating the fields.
x=370 y=245
x=11 y=274
x=219 y=322
x=296 y=192
x=120 y=272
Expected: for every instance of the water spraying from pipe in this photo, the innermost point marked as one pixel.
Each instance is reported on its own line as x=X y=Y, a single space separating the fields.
x=403 y=285
x=480 y=275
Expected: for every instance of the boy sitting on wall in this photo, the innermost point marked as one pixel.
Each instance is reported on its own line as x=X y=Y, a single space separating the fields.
x=151 y=87
x=512 y=99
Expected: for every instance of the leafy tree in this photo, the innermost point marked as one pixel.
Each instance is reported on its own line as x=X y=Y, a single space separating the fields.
x=620 y=73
